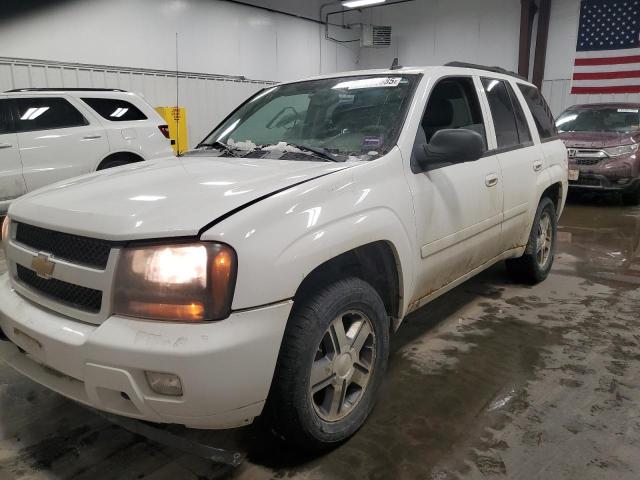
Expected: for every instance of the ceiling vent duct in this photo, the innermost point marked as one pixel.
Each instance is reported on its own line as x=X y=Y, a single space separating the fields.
x=375 y=36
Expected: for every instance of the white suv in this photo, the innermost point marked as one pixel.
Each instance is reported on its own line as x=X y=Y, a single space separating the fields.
x=48 y=135
x=266 y=270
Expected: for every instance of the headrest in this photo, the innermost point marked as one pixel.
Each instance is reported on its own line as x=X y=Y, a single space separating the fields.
x=439 y=113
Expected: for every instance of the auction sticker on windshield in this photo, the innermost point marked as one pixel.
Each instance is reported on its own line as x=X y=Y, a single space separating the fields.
x=376 y=82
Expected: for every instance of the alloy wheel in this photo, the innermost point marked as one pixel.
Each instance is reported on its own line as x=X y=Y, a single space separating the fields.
x=342 y=366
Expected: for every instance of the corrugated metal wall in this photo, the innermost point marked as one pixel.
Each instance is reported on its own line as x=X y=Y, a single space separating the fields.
x=557 y=94
x=207 y=98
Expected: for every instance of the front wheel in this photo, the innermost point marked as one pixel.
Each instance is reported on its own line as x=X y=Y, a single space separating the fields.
x=332 y=359
x=534 y=266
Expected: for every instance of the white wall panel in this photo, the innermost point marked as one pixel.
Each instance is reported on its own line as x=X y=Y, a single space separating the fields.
x=215 y=37
x=433 y=32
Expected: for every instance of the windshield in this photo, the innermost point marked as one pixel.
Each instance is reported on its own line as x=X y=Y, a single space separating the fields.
x=599 y=120
x=331 y=119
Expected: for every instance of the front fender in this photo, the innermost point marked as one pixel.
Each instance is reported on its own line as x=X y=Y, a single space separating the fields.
x=283 y=238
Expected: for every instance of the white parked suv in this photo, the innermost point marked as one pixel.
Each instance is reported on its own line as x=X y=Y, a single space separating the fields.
x=48 y=135
x=264 y=272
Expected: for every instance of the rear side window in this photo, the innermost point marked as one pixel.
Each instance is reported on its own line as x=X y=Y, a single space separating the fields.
x=115 y=110
x=504 y=119
x=540 y=110
x=521 y=121
x=5 y=117
x=45 y=114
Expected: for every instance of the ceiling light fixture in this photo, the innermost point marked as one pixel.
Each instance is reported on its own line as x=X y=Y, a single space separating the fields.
x=360 y=3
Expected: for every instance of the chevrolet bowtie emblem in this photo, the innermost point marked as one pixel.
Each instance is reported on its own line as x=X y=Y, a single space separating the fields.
x=43 y=266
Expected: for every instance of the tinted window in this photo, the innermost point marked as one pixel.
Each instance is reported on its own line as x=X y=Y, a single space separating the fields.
x=5 y=116
x=599 y=119
x=46 y=113
x=115 y=110
x=453 y=103
x=504 y=119
x=521 y=121
x=540 y=110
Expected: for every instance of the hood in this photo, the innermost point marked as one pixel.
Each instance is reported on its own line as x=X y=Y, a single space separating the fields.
x=598 y=139
x=164 y=198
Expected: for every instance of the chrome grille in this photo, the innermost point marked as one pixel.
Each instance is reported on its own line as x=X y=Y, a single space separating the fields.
x=586 y=161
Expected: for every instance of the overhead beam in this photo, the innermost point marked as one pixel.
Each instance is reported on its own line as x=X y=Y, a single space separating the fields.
x=528 y=10
x=541 y=43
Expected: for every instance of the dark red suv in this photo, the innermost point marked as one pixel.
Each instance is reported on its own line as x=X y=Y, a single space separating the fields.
x=602 y=140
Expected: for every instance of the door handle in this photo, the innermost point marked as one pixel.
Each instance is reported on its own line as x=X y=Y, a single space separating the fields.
x=91 y=137
x=5 y=145
x=537 y=165
x=491 y=180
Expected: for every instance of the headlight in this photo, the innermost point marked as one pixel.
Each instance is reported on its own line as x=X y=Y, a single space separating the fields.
x=622 y=150
x=5 y=230
x=191 y=282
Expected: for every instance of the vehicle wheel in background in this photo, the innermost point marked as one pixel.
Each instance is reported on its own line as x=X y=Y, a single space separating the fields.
x=534 y=266
x=332 y=359
x=631 y=198
x=118 y=159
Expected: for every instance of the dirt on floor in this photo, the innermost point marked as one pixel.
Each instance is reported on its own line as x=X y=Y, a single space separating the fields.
x=492 y=380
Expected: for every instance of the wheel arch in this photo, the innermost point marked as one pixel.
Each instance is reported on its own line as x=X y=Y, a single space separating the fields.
x=120 y=155
x=376 y=263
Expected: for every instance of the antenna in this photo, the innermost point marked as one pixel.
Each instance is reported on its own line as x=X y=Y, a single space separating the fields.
x=395 y=65
x=176 y=115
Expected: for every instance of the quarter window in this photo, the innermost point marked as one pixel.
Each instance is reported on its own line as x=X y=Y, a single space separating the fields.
x=115 y=110
x=45 y=114
x=504 y=119
x=540 y=110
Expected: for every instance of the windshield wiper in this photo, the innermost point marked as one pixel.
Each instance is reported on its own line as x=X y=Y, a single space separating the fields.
x=218 y=145
x=321 y=152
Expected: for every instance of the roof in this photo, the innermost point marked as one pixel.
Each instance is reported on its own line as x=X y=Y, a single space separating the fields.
x=63 y=89
x=453 y=68
x=606 y=105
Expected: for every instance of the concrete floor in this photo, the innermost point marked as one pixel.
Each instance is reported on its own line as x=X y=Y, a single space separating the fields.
x=493 y=380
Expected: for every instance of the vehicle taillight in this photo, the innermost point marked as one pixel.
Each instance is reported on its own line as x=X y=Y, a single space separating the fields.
x=165 y=130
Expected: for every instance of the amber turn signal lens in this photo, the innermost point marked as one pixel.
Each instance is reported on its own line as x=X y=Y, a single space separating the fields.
x=193 y=312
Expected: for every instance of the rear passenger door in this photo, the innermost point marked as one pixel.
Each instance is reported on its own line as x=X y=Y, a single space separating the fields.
x=57 y=141
x=11 y=180
x=520 y=160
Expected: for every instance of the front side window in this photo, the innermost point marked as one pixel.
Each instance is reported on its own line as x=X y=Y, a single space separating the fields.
x=453 y=103
x=5 y=117
x=46 y=113
x=344 y=117
x=540 y=110
x=599 y=119
x=115 y=110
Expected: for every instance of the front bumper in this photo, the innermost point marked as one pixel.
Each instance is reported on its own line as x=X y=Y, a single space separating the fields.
x=225 y=367
x=603 y=183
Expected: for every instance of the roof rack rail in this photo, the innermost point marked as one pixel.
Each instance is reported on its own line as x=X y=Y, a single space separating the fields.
x=63 y=89
x=484 y=67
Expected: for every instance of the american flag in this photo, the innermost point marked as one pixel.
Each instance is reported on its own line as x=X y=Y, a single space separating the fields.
x=608 y=47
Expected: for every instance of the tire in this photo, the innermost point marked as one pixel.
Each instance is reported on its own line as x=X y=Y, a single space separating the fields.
x=534 y=266
x=118 y=161
x=312 y=421
x=631 y=198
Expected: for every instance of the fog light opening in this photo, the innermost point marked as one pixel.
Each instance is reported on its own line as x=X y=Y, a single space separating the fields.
x=164 y=383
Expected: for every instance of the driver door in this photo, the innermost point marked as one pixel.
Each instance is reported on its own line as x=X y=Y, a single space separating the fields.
x=458 y=207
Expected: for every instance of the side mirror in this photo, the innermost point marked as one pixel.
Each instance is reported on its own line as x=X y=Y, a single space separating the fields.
x=452 y=146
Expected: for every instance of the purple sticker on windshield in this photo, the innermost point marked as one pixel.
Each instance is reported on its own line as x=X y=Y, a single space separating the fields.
x=371 y=142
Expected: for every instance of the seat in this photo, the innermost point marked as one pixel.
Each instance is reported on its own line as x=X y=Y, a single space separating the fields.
x=439 y=115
